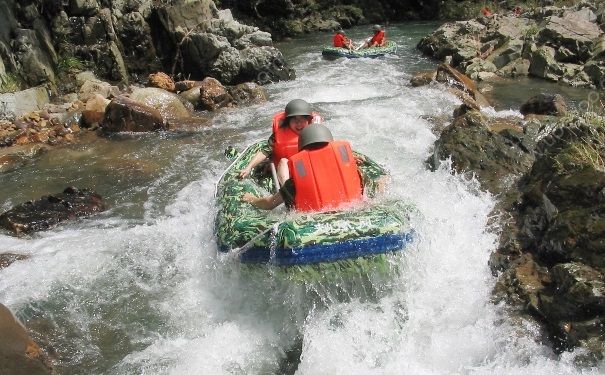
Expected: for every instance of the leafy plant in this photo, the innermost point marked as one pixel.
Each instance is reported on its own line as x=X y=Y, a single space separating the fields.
x=9 y=83
x=69 y=63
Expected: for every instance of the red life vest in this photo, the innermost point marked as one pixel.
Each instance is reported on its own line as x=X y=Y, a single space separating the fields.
x=285 y=140
x=378 y=37
x=325 y=178
x=339 y=40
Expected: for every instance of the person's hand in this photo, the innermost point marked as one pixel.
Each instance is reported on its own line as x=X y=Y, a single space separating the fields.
x=248 y=197
x=244 y=173
x=360 y=159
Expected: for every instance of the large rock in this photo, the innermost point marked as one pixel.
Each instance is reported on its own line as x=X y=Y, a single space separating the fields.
x=563 y=202
x=544 y=65
x=169 y=104
x=213 y=95
x=126 y=115
x=545 y=104
x=7 y=259
x=218 y=46
x=572 y=32
x=48 y=211
x=18 y=103
x=496 y=158
x=19 y=354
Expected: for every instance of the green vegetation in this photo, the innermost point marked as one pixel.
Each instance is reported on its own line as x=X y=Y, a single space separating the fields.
x=9 y=83
x=68 y=64
x=580 y=155
x=531 y=31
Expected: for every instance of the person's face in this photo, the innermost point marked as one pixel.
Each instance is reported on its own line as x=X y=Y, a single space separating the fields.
x=298 y=123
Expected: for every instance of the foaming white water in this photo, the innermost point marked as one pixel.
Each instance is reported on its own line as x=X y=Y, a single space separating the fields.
x=152 y=296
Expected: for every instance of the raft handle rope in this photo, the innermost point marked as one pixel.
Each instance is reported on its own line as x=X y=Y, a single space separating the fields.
x=238 y=251
x=241 y=154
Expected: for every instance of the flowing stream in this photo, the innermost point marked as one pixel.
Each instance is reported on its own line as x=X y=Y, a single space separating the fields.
x=140 y=289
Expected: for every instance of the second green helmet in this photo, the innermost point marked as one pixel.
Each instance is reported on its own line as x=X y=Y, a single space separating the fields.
x=314 y=134
x=298 y=107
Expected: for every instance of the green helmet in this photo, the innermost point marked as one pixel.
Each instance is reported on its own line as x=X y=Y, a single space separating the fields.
x=298 y=107
x=312 y=134
x=376 y=27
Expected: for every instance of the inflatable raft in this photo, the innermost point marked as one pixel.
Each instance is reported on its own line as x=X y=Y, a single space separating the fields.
x=335 y=52
x=294 y=238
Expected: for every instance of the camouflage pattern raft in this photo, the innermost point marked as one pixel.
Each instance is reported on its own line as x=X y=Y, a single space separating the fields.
x=294 y=238
x=336 y=52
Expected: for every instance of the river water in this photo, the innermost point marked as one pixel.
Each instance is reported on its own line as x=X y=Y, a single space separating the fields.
x=140 y=289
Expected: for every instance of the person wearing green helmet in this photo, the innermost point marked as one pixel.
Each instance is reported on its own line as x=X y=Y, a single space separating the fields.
x=323 y=174
x=283 y=142
x=379 y=38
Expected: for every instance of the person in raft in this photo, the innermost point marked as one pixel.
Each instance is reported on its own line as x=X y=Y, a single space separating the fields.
x=322 y=175
x=341 y=41
x=283 y=142
x=379 y=38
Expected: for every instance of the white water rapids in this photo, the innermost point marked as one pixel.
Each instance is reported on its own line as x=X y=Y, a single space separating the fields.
x=140 y=289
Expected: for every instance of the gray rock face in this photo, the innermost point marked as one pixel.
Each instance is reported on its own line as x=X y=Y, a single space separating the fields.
x=125 y=39
x=549 y=38
x=220 y=47
x=575 y=34
x=18 y=103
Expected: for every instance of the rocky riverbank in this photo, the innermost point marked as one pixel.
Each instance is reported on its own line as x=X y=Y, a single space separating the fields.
x=560 y=44
x=548 y=169
x=548 y=173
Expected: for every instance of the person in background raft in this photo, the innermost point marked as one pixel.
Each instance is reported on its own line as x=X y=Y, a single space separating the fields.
x=341 y=41
x=379 y=38
x=486 y=11
x=283 y=142
x=322 y=175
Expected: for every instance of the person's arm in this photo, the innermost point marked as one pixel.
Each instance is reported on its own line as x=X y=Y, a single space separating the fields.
x=264 y=203
x=258 y=158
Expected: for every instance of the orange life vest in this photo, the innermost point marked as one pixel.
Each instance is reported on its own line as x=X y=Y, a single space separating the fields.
x=325 y=178
x=285 y=140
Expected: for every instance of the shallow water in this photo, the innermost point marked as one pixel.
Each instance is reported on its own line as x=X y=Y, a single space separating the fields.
x=140 y=288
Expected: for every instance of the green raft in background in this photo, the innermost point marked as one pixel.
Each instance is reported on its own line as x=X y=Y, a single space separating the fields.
x=336 y=52
x=295 y=239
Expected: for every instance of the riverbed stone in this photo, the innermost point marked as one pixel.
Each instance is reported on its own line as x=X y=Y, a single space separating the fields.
x=16 y=104
x=127 y=115
x=213 y=95
x=169 y=104
x=6 y=259
x=48 y=211
x=545 y=104
x=19 y=353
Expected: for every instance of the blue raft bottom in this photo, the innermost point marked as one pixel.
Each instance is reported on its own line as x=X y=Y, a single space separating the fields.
x=328 y=252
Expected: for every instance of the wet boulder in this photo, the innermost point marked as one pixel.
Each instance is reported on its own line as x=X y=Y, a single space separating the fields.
x=126 y=115
x=169 y=104
x=213 y=95
x=497 y=158
x=563 y=197
x=7 y=259
x=544 y=104
x=248 y=93
x=19 y=354
x=161 y=80
x=48 y=211
x=94 y=111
